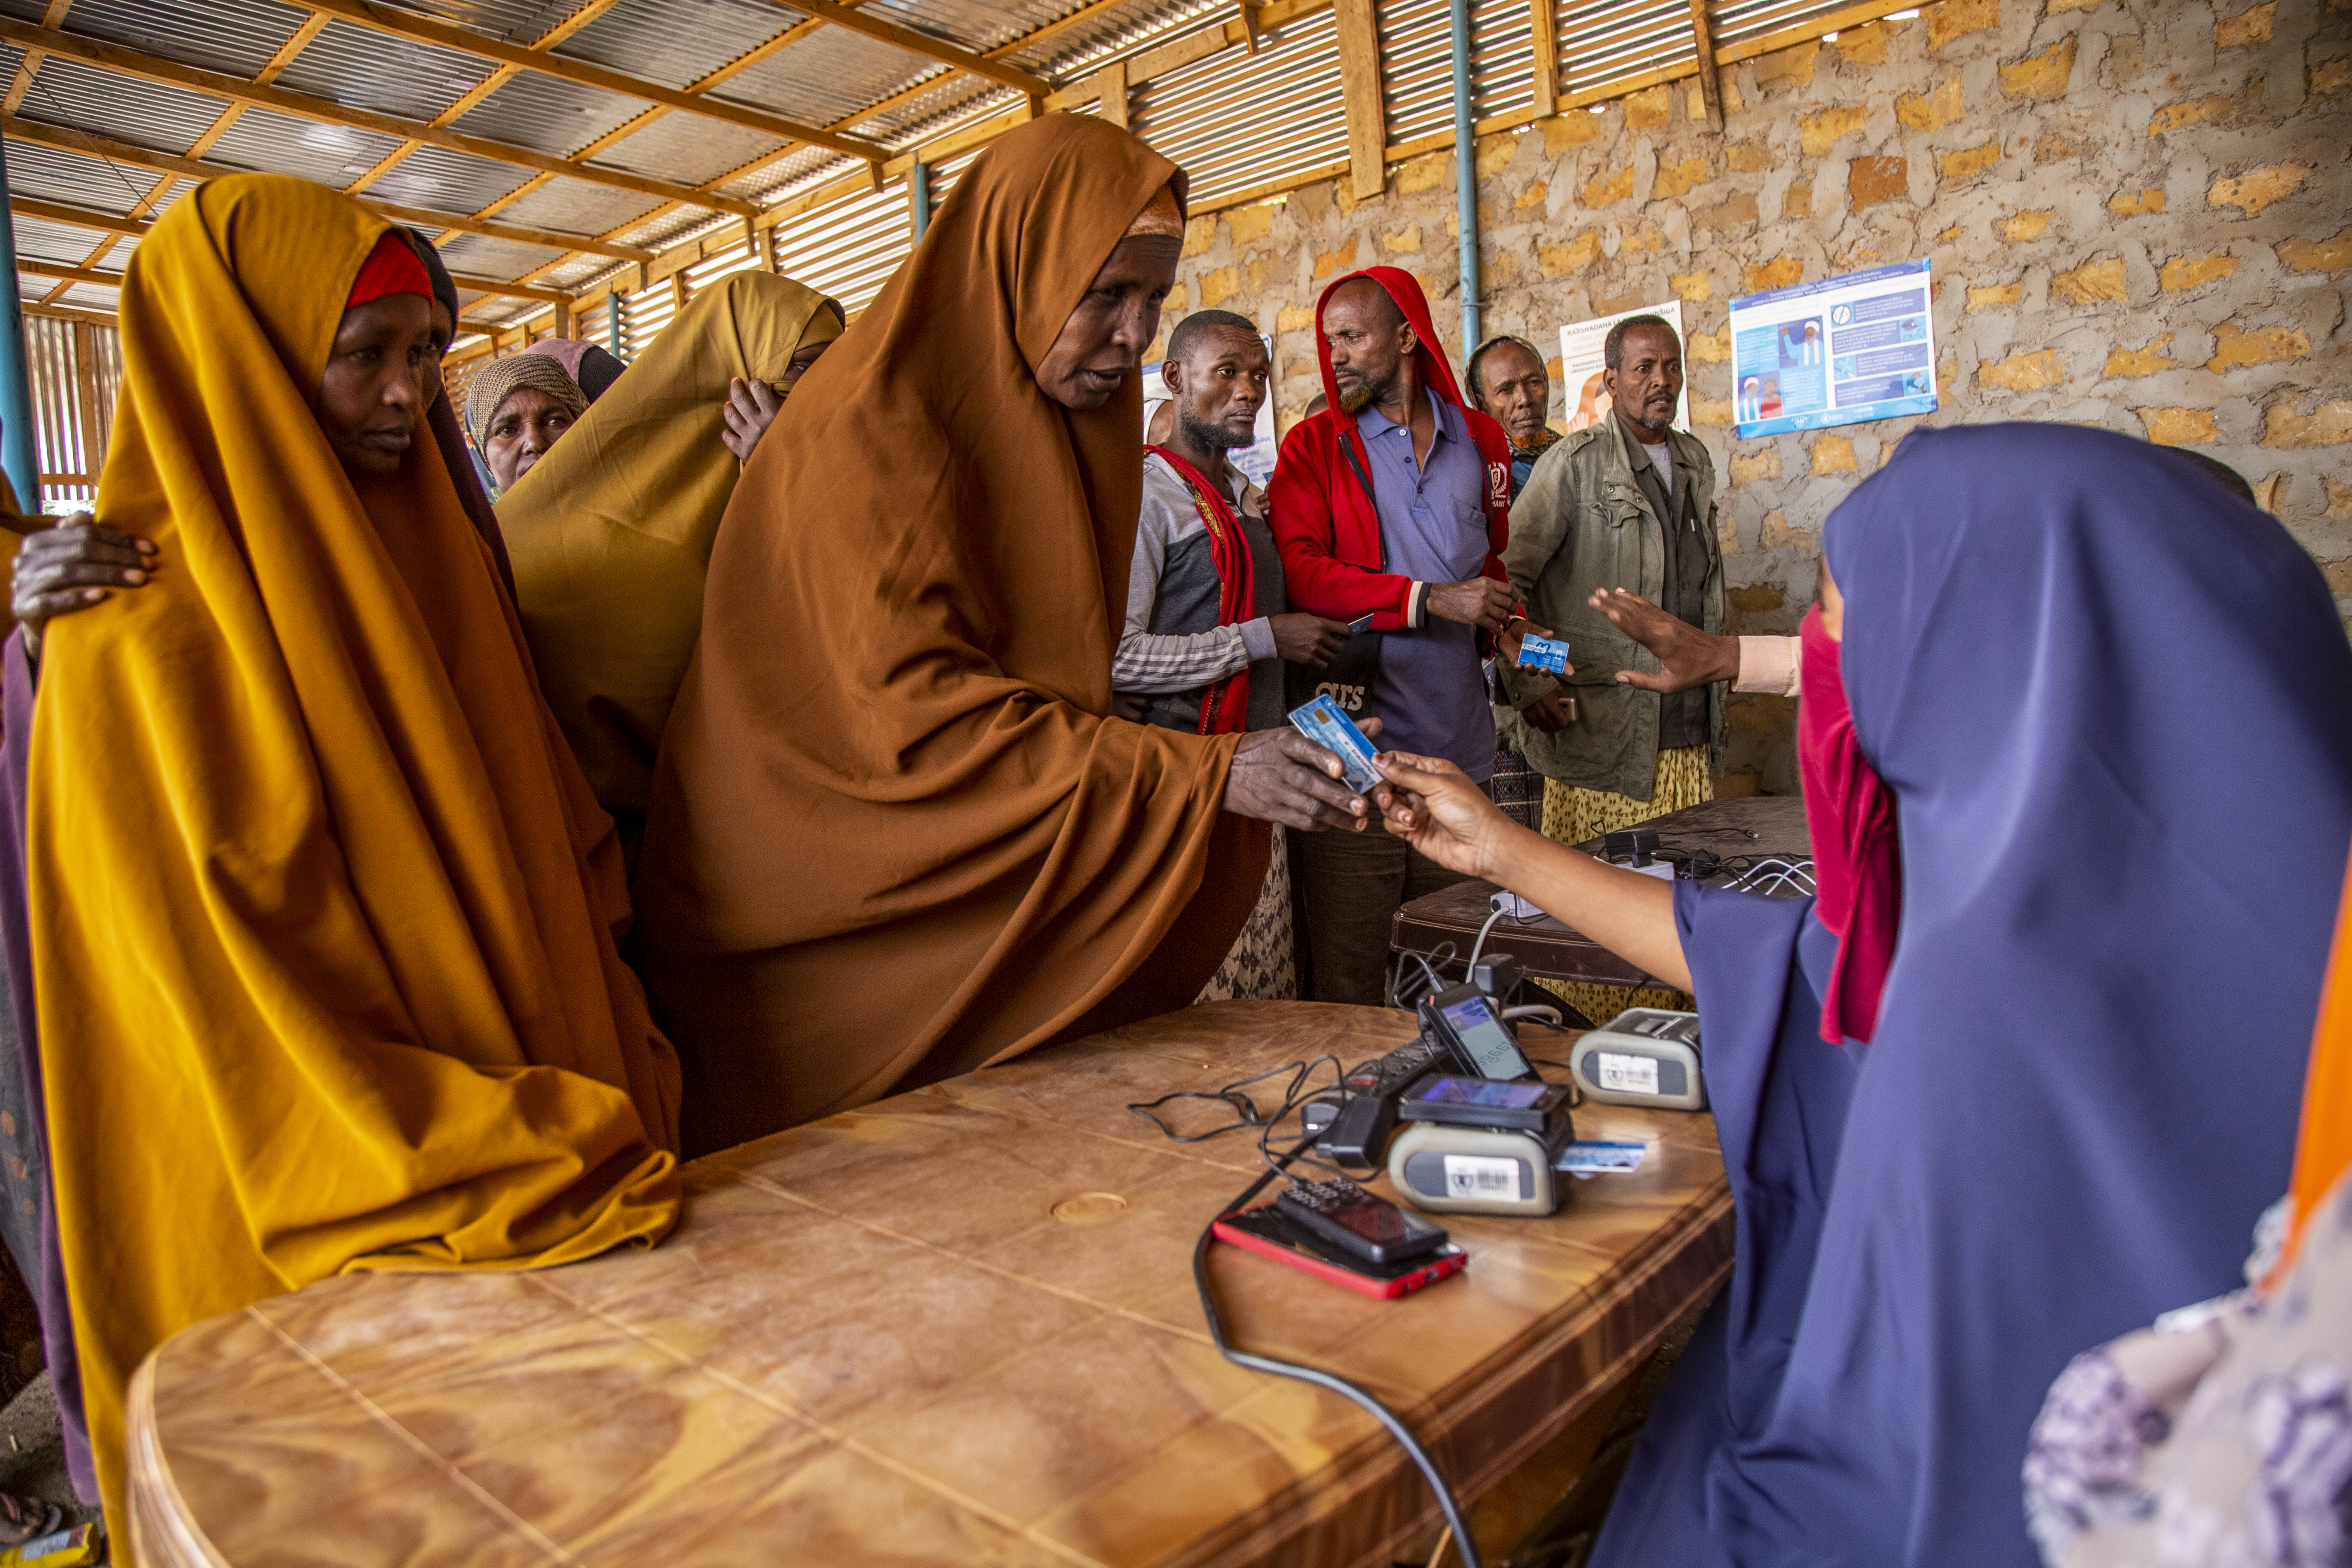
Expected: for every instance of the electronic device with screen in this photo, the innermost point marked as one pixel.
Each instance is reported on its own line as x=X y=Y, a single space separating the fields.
x=1465 y=1021
x=1485 y=1102
x=1476 y=1146
x=1645 y=1056
x=1361 y=1224
x=1265 y=1231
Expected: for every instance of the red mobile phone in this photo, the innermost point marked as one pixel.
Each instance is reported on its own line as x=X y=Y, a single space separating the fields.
x=1264 y=1231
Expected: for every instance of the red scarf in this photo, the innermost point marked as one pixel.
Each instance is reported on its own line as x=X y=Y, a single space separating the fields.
x=1857 y=858
x=1224 y=706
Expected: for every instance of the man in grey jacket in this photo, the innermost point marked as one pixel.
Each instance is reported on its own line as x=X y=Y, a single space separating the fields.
x=1626 y=503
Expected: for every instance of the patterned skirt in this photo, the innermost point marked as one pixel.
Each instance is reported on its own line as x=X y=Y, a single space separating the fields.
x=1264 y=963
x=1518 y=788
x=1572 y=815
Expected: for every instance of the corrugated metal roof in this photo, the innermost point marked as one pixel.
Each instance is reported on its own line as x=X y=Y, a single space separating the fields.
x=234 y=37
x=575 y=207
x=830 y=73
x=676 y=42
x=686 y=149
x=41 y=240
x=1088 y=46
x=515 y=21
x=848 y=251
x=368 y=70
x=149 y=114
x=330 y=154
x=1501 y=58
x=948 y=101
x=975 y=24
x=1234 y=122
x=1736 y=23
x=446 y=182
x=1416 y=67
x=52 y=174
x=777 y=179
x=1600 y=44
x=546 y=114
x=486 y=258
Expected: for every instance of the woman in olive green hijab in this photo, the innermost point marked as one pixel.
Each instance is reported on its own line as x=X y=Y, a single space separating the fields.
x=611 y=530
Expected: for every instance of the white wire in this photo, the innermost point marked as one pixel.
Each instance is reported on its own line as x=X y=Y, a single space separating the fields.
x=1482 y=935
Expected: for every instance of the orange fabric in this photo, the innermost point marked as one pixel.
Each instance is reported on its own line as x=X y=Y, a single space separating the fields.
x=894 y=833
x=323 y=915
x=2324 y=1149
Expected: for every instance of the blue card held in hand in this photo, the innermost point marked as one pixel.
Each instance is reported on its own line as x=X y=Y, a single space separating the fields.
x=1543 y=653
x=1322 y=722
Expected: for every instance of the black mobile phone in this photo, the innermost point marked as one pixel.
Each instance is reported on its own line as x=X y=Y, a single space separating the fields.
x=1359 y=1222
x=1483 y=1102
x=1264 y=1231
x=1467 y=1023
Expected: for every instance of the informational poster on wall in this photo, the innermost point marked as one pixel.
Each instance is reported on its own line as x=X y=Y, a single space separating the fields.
x=1581 y=345
x=1255 y=460
x=1838 y=351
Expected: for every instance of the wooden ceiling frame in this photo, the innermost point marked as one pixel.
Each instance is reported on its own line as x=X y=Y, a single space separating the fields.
x=481 y=90
x=302 y=106
x=534 y=58
x=91 y=145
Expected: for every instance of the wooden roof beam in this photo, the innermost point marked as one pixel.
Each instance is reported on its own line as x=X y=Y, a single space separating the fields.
x=94 y=146
x=416 y=29
x=301 y=106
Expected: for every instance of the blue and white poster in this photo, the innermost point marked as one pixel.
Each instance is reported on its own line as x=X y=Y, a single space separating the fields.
x=1838 y=351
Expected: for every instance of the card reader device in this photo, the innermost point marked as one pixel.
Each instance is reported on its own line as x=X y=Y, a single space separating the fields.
x=1475 y=1146
x=1645 y=1056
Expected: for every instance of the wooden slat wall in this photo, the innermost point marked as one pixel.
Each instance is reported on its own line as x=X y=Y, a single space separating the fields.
x=76 y=370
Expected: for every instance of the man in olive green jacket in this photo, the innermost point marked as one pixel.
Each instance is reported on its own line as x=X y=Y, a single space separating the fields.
x=1626 y=503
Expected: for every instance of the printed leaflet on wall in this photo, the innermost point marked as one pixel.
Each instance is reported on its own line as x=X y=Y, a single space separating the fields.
x=1834 y=353
x=1581 y=345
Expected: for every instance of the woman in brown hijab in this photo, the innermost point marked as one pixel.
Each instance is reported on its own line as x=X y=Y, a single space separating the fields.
x=895 y=833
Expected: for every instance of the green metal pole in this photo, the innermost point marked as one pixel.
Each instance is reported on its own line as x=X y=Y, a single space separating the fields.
x=19 y=456
x=613 y=324
x=919 y=197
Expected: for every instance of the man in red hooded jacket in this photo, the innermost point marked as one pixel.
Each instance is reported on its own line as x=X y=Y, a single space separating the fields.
x=1393 y=502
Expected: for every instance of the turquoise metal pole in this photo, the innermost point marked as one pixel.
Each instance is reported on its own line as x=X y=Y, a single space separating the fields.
x=17 y=454
x=919 y=197
x=1465 y=178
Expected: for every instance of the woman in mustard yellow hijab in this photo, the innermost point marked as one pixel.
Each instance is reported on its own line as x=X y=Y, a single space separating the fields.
x=323 y=917
x=610 y=530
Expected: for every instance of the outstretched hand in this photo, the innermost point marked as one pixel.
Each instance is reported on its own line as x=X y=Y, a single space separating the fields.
x=1432 y=805
x=1280 y=776
x=70 y=568
x=1690 y=656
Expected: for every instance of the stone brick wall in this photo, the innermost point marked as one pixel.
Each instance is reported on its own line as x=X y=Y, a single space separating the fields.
x=2140 y=213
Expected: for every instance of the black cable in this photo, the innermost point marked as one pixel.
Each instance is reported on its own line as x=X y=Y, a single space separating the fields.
x=1319 y=1378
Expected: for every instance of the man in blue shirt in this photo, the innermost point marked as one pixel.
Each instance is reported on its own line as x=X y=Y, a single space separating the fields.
x=1423 y=558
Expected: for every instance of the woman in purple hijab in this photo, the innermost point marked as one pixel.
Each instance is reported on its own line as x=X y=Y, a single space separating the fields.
x=2111 y=707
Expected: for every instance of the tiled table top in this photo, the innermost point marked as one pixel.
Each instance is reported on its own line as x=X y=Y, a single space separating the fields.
x=956 y=1327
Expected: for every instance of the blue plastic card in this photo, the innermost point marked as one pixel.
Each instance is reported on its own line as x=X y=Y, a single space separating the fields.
x=1322 y=722
x=1583 y=1158
x=1543 y=653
